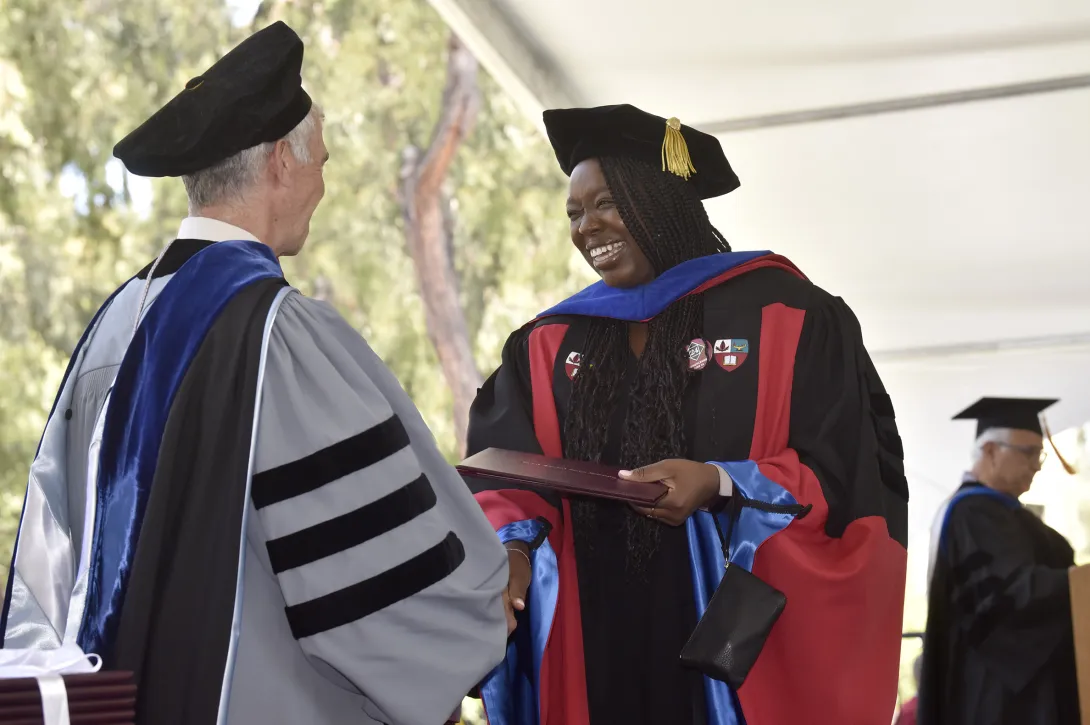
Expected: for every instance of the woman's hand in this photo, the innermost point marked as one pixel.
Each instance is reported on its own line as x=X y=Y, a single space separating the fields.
x=514 y=597
x=692 y=485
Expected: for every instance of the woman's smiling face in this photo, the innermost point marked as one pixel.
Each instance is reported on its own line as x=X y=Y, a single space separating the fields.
x=599 y=233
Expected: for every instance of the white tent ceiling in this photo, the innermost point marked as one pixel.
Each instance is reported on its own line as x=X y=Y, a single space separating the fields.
x=958 y=232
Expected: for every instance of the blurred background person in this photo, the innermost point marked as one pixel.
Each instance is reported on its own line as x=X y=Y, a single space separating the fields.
x=998 y=648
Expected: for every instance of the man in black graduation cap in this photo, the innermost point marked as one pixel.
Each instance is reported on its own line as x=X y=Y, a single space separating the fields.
x=233 y=497
x=998 y=648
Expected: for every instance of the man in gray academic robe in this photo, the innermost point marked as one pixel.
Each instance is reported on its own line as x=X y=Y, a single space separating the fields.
x=233 y=497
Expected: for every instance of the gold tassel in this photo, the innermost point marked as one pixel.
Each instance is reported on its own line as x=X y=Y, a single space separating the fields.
x=1067 y=466
x=675 y=152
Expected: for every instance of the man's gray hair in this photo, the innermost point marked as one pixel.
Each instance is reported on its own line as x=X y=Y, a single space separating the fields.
x=230 y=179
x=992 y=435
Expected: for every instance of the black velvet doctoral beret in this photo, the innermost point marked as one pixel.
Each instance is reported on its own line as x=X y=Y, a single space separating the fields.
x=578 y=134
x=250 y=96
x=1020 y=413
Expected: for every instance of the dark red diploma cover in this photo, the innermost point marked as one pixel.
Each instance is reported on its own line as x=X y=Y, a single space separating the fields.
x=101 y=698
x=577 y=478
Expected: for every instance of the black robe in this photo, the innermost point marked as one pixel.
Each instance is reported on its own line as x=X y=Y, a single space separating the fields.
x=998 y=648
x=842 y=440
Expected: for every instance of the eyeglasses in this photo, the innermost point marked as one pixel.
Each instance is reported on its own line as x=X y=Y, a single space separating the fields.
x=1029 y=452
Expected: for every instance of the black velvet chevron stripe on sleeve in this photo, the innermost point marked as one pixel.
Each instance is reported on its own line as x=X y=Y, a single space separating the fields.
x=371 y=595
x=329 y=464
x=353 y=528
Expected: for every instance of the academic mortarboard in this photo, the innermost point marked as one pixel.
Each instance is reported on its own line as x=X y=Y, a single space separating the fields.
x=250 y=96
x=578 y=134
x=1020 y=413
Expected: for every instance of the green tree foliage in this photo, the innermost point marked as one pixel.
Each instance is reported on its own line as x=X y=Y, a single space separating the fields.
x=76 y=76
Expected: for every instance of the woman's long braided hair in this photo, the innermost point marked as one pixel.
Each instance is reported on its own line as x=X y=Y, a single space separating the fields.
x=669 y=223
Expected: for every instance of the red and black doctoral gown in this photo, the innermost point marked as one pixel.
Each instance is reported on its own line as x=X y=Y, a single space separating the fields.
x=999 y=648
x=791 y=406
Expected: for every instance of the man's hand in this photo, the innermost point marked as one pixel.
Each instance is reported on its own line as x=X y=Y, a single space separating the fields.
x=514 y=597
x=692 y=485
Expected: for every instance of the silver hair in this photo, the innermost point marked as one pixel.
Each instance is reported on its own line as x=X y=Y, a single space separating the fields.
x=230 y=179
x=992 y=435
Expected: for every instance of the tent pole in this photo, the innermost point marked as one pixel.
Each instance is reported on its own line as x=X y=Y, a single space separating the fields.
x=874 y=108
x=1036 y=345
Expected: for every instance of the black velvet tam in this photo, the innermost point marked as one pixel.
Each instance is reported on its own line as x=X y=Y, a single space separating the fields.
x=250 y=96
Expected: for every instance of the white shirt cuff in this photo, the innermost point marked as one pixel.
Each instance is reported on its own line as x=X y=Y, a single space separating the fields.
x=726 y=483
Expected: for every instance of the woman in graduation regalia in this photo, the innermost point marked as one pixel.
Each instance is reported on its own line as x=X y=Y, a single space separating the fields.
x=688 y=353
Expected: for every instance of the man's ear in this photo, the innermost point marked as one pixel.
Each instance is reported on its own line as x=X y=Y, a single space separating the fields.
x=281 y=162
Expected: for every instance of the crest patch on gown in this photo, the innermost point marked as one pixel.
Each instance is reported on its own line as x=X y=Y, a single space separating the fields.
x=730 y=354
x=571 y=365
x=698 y=354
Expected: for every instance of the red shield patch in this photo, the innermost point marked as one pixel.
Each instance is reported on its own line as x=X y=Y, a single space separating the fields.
x=571 y=365
x=730 y=354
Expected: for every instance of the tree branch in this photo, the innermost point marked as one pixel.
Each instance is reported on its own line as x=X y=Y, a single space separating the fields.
x=458 y=112
x=429 y=228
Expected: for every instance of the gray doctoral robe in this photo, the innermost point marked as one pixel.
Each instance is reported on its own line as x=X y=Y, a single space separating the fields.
x=347 y=493
x=414 y=660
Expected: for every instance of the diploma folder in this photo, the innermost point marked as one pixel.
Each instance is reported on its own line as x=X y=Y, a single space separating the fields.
x=102 y=698
x=574 y=478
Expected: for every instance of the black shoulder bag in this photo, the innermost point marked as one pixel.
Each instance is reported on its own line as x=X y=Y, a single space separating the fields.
x=729 y=637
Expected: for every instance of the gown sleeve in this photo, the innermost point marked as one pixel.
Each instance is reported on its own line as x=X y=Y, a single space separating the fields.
x=542 y=678
x=843 y=424
x=825 y=431
x=391 y=576
x=1013 y=611
x=502 y=417
x=824 y=520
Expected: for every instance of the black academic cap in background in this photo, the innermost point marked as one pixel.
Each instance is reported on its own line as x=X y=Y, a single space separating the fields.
x=252 y=95
x=1020 y=413
x=578 y=134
